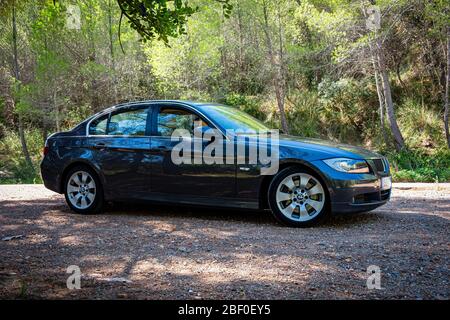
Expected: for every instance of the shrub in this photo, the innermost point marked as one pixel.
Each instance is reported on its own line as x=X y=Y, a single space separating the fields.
x=77 y=114
x=248 y=104
x=14 y=168
x=421 y=127
x=418 y=166
x=348 y=109
x=304 y=114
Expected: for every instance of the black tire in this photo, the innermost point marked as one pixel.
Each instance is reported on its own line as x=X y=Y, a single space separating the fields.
x=97 y=204
x=273 y=187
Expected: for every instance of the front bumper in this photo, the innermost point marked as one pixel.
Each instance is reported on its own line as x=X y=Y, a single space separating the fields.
x=355 y=192
x=359 y=199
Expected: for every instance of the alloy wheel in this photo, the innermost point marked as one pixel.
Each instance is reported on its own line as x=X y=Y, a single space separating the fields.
x=300 y=197
x=81 y=190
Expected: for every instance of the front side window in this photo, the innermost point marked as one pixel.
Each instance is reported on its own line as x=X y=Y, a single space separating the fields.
x=128 y=123
x=170 y=119
x=98 y=126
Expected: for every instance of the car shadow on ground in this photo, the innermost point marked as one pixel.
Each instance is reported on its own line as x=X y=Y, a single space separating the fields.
x=264 y=217
x=397 y=209
x=150 y=209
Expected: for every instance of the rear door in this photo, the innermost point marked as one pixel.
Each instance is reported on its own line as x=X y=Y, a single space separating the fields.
x=120 y=143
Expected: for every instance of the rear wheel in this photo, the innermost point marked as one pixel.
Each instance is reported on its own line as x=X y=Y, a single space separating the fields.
x=83 y=191
x=298 y=198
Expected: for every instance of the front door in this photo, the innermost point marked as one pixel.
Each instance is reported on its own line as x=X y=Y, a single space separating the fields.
x=186 y=183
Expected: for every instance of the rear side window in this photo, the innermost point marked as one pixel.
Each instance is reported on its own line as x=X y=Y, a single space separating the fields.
x=129 y=123
x=98 y=126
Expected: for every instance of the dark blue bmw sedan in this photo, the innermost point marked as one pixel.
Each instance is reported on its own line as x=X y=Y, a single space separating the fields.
x=209 y=154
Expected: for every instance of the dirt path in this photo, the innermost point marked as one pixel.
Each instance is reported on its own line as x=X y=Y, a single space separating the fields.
x=170 y=252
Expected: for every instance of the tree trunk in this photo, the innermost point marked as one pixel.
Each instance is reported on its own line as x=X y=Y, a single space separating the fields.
x=44 y=130
x=447 y=84
x=380 y=95
x=395 y=130
x=241 y=40
x=278 y=79
x=23 y=141
x=376 y=72
x=55 y=107
x=241 y=47
x=380 y=100
x=111 y=50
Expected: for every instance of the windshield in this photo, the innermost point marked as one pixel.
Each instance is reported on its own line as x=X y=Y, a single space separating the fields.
x=233 y=118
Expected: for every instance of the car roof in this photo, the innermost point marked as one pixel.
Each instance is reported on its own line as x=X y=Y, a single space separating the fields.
x=186 y=102
x=194 y=104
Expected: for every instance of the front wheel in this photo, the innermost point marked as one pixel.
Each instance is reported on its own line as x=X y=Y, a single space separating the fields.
x=298 y=198
x=83 y=191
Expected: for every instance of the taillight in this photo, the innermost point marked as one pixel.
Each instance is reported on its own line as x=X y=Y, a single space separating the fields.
x=45 y=150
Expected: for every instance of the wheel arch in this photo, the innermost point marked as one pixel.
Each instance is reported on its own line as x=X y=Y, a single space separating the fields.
x=267 y=180
x=79 y=162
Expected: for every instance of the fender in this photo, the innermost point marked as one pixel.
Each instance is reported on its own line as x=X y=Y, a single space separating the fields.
x=78 y=161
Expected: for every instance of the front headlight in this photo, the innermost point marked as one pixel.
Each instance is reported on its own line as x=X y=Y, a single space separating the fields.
x=348 y=165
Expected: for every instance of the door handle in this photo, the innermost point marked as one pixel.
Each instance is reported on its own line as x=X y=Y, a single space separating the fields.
x=159 y=149
x=99 y=146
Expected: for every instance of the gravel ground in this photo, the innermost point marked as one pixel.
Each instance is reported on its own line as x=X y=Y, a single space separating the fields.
x=164 y=252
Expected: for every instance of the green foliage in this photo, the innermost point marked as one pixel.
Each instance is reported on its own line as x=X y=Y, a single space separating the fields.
x=184 y=74
x=421 y=126
x=251 y=105
x=346 y=111
x=161 y=19
x=305 y=114
x=76 y=115
x=418 y=166
x=422 y=175
x=13 y=167
x=219 y=54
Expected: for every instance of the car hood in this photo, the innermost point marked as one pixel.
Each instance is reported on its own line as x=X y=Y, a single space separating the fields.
x=326 y=149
